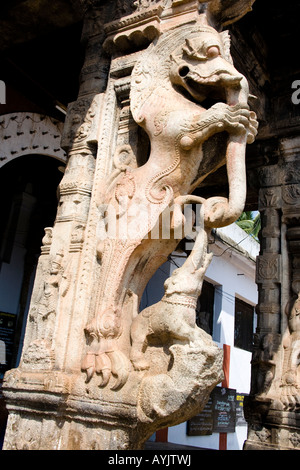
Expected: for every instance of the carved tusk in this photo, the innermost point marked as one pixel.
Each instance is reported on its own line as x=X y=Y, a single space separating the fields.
x=219 y=211
x=235 y=158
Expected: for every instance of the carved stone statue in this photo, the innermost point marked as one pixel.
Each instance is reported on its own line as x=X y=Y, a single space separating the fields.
x=172 y=88
x=184 y=90
x=290 y=395
x=173 y=318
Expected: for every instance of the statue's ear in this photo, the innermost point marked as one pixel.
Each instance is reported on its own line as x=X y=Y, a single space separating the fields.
x=226 y=41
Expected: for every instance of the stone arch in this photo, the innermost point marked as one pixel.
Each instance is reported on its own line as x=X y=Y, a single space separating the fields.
x=30 y=133
x=30 y=147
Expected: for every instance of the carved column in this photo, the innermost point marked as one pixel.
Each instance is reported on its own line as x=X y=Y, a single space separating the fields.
x=95 y=373
x=273 y=407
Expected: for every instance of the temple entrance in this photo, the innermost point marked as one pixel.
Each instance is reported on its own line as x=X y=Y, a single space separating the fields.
x=28 y=194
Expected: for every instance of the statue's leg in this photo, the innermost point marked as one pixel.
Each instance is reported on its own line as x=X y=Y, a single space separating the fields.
x=139 y=332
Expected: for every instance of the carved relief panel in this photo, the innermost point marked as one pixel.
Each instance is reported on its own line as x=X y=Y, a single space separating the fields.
x=275 y=363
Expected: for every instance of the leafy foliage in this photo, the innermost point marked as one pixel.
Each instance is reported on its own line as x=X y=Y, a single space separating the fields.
x=250 y=222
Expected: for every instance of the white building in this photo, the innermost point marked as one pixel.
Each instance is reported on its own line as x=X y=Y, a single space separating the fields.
x=229 y=295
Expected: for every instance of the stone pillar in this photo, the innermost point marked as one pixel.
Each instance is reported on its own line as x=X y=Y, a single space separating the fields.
x=273 y=406
x=94 y=373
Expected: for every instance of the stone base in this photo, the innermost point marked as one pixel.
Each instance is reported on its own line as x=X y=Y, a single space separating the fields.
x=58 y=411
x=273 y=439
x=52 y=410
x=279 y=430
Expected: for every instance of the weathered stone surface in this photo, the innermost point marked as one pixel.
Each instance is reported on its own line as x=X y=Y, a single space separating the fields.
x=272 y=409
x=96 y=373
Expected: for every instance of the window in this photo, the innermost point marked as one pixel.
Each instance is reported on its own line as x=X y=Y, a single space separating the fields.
x=243 y=325
x=205 y=307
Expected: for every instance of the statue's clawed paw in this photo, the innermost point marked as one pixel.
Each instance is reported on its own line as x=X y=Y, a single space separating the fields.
x=236 y=119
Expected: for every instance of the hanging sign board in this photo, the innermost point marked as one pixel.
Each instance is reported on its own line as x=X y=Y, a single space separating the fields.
x=218 y=415
x=7 y=332
x=224 y=414
x=202 y=424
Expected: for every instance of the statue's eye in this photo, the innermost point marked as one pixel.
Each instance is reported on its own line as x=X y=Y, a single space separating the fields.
x=212 y=52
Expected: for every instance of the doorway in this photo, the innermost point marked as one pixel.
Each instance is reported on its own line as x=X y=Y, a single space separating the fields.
x=28 y=195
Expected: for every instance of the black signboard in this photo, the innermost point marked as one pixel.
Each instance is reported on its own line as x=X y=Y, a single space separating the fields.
x=224 y=414
x=7 y=331
x=202 y=424
x=218 y=415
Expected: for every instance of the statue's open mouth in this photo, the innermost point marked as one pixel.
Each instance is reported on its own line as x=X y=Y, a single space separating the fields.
x=211 y=88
